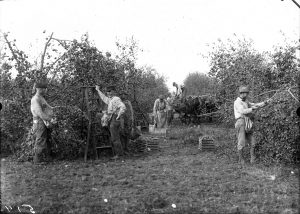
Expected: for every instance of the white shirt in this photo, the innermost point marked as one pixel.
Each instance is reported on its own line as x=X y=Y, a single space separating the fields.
x=241 y=108
x=40 y=108
x=115 y=104
x=159 y=105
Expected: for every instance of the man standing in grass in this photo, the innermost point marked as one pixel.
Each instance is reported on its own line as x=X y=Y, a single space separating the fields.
x=115 y=110
x=243 y=113
x=169 y=110
x=127 y=122
x=42 y=114
x=159 y=112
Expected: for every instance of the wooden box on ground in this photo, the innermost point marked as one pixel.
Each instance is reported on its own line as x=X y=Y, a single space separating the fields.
x=206 y=143
x=146 y=144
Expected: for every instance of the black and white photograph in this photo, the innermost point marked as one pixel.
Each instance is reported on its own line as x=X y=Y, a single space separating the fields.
x=150 y=106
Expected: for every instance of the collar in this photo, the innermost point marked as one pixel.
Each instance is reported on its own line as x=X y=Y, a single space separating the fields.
x=39 y=95
x=240 y=99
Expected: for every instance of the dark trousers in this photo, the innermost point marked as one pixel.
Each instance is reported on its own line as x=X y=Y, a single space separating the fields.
x=115 y=128
x=126 y=126
x=169 y=116
x=125 y=142
x=42 y=144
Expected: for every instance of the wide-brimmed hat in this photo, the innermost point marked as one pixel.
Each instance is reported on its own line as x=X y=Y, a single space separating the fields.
x=244 y=89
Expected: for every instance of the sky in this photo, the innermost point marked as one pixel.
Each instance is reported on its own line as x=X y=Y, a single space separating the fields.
x=174 y=34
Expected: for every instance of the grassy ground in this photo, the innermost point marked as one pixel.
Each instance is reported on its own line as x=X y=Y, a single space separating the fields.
x=178 y=175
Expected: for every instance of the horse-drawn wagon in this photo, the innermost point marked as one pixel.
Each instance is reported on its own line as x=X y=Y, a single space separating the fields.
x=195 y=109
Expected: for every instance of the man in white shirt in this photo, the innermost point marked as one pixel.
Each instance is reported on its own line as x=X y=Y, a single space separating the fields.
x=159 y=112
x=42 y=114
x=169 y=110
x=115 y=110
x=181 y=91
x=243 y=113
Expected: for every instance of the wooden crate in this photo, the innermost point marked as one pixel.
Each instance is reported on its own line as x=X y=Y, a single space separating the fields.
x=151 y=143
x=206 y=143
x=146 y=144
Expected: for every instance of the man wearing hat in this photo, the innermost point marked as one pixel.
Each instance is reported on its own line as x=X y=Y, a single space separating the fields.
x=127 y=121
x=243 y=113
x=115 y=110
x=159 y=112
x=169 y=108
x=42 y=114
x=180 y=91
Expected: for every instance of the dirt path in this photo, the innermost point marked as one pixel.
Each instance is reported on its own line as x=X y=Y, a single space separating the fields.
x=180 y=175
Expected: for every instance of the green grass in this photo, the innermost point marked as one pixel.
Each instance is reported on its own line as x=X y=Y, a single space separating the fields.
x=196 y=182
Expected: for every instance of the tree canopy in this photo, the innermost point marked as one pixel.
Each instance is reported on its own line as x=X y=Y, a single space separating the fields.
x=67 y=65
x=236 y=62
x=198 y=83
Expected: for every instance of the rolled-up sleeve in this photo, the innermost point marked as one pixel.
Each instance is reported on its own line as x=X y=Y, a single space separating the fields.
x=104 y=98
x=261 y=104
x=239 y=108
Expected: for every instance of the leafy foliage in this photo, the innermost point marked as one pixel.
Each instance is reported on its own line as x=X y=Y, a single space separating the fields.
x=200 y=84
x=67 y=66
x=15 y=93
x=151 y=85
x=236 y=63
x=277 y=130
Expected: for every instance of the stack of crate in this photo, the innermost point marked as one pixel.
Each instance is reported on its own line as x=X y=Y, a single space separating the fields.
x=152 y=143
x=145 y=144
x=206 y=143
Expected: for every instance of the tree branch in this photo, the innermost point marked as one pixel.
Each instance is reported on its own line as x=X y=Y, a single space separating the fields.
x=12 y=51
x=60 y=42
x=42 y=62
x=44 y=53
x=50 y=66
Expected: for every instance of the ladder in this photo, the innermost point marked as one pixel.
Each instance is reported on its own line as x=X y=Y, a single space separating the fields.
x=91 y=123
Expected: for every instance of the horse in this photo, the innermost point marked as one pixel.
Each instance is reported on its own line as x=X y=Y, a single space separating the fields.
x=192 y=107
